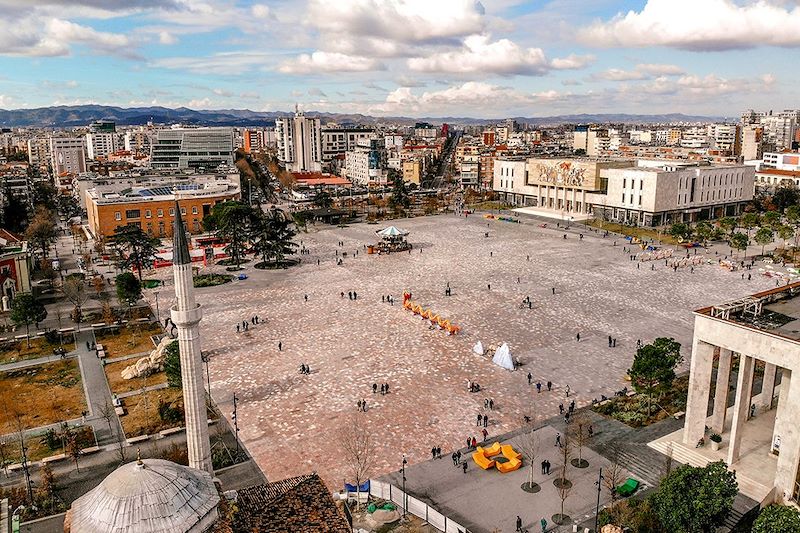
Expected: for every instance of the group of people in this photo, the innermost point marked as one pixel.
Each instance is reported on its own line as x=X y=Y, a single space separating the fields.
x=387 y=298
x=539 y=384
x=384 y=388
x=305 y=369
x=472 y=386
x=436 y=452
x=362 y=406
x=245 y=325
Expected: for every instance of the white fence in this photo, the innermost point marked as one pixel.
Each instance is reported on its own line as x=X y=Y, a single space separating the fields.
x=389 y=492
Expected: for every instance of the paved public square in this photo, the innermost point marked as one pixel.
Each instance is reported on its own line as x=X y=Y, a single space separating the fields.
x=290 y=421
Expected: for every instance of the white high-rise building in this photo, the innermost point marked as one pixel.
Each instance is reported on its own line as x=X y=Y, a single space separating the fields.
x=100 y=144
x=299 y=141
x=68 y=157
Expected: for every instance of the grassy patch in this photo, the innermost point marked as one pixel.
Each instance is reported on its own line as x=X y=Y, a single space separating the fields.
x=119 y=385
x=13 y=351
x=134 y=338
x=38 y=448
x=211 y=280
x=41 y=395
x=647 y=234
x=143 y=416
x=632 y=410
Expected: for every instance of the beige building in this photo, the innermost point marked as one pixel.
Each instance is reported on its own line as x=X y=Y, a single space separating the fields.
x=737 y=341
x=412 y=171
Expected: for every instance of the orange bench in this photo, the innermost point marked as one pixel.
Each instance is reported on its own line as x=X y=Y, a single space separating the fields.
x=492 y=450
x=508 y=466
x=510 y=453
x=481 y=460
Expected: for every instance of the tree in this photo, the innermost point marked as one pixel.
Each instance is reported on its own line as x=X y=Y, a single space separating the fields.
x=68 y=206
x=749 y=221
x=231 y=221
x=138 y=245
x=272 y=237
x=45 y=491
x=73 y=446
x=777 y=519
x=15 y=211
x=785 y=232
x=680 y=231
x=771 y=218
x=529 y=448
x=45 y=194
x=323 y=200
x=129 y=288
x=654 y=366
x=41 y=232
x=172 y=364
x=739 y=241
x=785 y=197
x=696 y=500
x=358 y=449
x=764 y=236
x=728 y=224
x=400 y=198
x=579 y=434
x=612 y=477
x=704 y=230
x=25 y=309
x=75 y=291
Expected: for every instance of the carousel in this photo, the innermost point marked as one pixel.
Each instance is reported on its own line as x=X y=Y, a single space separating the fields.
x=393 y=239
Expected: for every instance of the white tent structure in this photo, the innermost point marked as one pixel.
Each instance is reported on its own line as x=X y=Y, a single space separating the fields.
x=478 y=348
x=502 y=357
x=392 y=232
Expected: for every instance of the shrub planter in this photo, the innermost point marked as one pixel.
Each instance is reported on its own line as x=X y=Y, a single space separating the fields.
x=715 y=441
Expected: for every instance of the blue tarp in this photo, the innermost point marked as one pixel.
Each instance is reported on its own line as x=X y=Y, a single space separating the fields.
x=352 y=488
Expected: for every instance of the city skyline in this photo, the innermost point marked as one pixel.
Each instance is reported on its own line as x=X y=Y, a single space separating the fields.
x=409 y=58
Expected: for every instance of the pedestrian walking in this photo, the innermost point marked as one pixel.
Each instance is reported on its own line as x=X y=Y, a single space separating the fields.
x=561 y=408
x=480 y=419
x=491 y=404
x=453 y=457
x=519 y=523
x=543 y=463
x=578 y=336
x=359 y=405
x=374 y=388
x=538 y=387
x=237 y=328
x=549 y=385
x=554 y=290
x=558 y=440
x=530 y=378
x=464 y=466
x=280 y=346
x=485 y=433
x=485 y=420
x=567 y=391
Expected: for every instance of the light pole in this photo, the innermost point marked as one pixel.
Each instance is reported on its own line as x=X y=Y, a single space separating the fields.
x=405 y=494
x=235 y=424
x=158 y=314
x=599 y=484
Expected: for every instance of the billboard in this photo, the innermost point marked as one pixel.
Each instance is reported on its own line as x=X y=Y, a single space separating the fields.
x=563 y=173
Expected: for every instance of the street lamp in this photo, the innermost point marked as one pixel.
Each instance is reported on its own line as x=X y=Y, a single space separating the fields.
x=599 y=484
x=235 y=424
x=405 y=494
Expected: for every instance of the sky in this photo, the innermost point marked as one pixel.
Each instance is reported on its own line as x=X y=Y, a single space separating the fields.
x=438 y=58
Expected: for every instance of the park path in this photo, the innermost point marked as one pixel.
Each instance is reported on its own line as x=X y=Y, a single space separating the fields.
x=97 y=391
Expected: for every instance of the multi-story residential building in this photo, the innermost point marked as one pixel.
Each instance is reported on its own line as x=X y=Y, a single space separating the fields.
x=15 y=267
x=14 y=180
x=338 y=141
x=470 y=171
x=752 y=142
x=489 y=137
x=727 y=137
x=38 y=151
x=412 y=171
x=138 y=141
x=100 y=145
x=645 y=193
x=393 y=142
x=299 y=141
x=103 y=126
x=695 y=138
x=423 y=130
x=68 y=158
x=192 y=148
x=153 y=208
x=592 y=140
x=367 y=163
x=779 y=130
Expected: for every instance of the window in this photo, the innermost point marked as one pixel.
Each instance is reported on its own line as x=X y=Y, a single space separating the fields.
x=194 y=209
x=641 y=185
x=196 y=225
x=148 y=213
x=172 y=211
x=623 y=198
x=160 y=212
x=117 y=215
x=183 y=210
x=640 y=199
x=624 y=182
x=132 y=213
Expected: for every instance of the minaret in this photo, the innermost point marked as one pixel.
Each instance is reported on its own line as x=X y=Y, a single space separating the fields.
x=186 y=315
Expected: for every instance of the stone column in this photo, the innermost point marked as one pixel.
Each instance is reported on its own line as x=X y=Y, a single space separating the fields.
x=789 y=416
x=744 y=384
x=767 y=386
x=721 y=391
x=699 y=389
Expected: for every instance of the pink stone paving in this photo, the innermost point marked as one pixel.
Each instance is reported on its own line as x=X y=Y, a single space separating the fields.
x=289 y=421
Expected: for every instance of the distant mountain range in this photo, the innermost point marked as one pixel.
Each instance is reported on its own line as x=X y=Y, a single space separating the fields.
x=82 y=115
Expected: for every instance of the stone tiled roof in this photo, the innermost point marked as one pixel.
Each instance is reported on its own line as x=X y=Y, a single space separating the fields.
x=300 y=504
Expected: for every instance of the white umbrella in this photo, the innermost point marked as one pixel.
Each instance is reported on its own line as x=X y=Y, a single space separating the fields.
x=392 y=231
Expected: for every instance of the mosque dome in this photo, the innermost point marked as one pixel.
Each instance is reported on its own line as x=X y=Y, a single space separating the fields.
x=147 y=496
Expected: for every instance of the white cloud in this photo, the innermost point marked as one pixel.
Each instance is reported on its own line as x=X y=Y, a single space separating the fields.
x=223 y=63
x=479 y=97
x=480 y=55
x=316 y=91
x=572 y=62
x=29 y=36
x=165 y=37
x=399 y=20
x=199 y=103
x=615 y=74
x=700 y=25
x=222 y=92
x=660 y=69
x=324 y=62
x=260 y=11
x=5 y=101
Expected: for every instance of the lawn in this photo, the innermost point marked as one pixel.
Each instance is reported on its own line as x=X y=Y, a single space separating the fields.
x=143 y=416
x=632 y=410
x=38 y=448
x=119 y=385
x=41 y=395
x=647 y=234
x=13 y=351
x=131 y=339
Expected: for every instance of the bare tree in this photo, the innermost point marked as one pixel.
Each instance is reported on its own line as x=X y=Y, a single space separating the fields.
x=528 y=444
x=563 y=494
x=107 y=411
x=358 y=447
x=75 y=291
x=566 y=453
x=74 y=447
x=579 y=435
x=612 y=478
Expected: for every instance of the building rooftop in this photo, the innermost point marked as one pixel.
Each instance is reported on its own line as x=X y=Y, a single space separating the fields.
x=776 y=311
x=301 y=504
x=123 y=193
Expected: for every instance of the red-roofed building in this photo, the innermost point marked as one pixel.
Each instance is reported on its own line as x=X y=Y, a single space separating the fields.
x=15 y=267
x=318 y=179
x=772 y=177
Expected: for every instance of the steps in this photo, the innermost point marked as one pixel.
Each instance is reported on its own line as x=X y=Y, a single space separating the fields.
x=680 y=453
x=644 y=470
x=742 y=507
